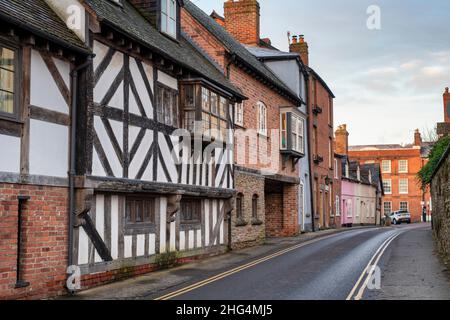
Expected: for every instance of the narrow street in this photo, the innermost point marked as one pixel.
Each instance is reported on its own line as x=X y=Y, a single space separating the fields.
x=330 y=267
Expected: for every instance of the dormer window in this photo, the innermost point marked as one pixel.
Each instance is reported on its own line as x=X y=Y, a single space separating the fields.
x=169 y=17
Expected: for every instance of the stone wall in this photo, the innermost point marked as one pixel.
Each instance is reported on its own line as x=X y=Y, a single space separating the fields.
x=440 y=190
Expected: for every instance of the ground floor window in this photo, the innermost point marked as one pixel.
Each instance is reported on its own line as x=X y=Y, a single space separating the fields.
x=387 y=206
x=239 y=208
x=255 y=206
x=140 y=210
x=191 y=211
x=404 y=206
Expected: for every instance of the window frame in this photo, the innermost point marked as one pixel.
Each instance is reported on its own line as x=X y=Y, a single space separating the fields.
x=144 y=224
x=400 y=206
x=240 y=207
x=175 y=94
x=262 y=113
x=383 y=168
x=406 y=162
x=255 y=205
x=15 y=115
x=165 y=30
x=239 y=114
x=400 y=186
x=197 y=220
x=390 y=207
x=390 y=185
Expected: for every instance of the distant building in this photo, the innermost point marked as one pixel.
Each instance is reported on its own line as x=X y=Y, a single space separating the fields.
x=399 y=167
x=443 y=128
x=361 y=187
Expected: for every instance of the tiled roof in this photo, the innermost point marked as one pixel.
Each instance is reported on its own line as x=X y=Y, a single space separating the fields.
x=37 y=17
x=235 y=47
x=127 y=19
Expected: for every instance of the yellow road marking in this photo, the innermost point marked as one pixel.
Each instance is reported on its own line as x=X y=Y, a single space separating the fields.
x=238 y=269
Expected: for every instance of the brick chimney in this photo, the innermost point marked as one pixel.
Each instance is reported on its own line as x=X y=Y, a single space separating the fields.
x=417 y=138
x=446 y=106
x=342 y=140
x=300 y=46
x=242 y=20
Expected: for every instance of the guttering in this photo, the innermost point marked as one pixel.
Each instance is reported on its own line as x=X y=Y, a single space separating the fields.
x=73 y=139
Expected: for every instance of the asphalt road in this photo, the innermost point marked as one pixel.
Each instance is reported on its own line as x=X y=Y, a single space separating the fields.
x=334 y=268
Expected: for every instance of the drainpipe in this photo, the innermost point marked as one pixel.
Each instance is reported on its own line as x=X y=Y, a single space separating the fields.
x=73 y=139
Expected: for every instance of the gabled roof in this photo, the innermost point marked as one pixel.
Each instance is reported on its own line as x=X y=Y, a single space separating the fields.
x=324 y=84
x=236 y=48
x=127 y=20
x=37 y=17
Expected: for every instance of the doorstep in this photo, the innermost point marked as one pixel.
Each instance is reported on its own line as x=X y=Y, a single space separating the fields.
x=147 y=286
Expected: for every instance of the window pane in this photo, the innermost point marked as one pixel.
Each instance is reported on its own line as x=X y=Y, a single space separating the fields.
x=214 y=104
x=6 y=102
x=174 y=109
x=205 y=99
x=6 y=80
x=172 y=26
x=189 y=120
x=7 y=59
x=189 y=99
x=159 y=104
x=223 y=108
x=164 y=22
x=167 y=103
x=139 y=211
x=172 y=9
x=164 y=6
x=206 y=121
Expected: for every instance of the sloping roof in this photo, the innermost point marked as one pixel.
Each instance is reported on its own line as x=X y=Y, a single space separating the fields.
x=37 y=17
x=376 y=147
x=235 y=47
x=374 y=168
x=127 y=19
x=265 y=53
x=318 y=77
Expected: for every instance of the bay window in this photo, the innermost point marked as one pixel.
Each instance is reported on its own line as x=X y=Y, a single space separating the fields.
x=207 y=108
x=292 y=133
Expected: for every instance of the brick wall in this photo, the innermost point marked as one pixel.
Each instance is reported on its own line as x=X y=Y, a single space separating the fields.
x=440 y=190
x=44 y=241
x=274 y=217
x=253 y=232
x=242 y=20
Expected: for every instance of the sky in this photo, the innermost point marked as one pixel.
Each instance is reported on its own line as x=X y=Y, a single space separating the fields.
x=388 y=81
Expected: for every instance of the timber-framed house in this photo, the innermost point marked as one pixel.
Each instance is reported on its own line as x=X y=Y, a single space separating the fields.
x=120 y=101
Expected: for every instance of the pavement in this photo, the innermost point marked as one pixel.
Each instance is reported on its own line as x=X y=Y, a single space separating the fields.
x=324 y=265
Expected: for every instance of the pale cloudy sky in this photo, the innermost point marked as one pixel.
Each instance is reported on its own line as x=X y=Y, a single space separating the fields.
x=387 y=82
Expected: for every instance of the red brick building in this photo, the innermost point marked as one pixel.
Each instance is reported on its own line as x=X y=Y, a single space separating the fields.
x=399 y=167
x=321 y=140
x=443 y=128
x=267 y=198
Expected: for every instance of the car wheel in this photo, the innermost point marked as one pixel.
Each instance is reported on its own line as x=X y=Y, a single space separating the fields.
x=395 y=222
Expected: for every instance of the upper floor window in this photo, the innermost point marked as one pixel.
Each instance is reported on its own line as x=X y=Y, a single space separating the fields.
x=167 y=105
x=403 y=166
x=330 y=153
x=386 y=166
x=239 y=114
x=206 y=107
x=262 y=118
x=8 y=81
x=169 y=17
x=403 y=186
x=387 y=186
x=336 y=169
x=338 y=206
x=292 y=132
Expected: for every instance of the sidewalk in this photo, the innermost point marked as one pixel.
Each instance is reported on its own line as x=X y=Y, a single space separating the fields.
x=143 y=287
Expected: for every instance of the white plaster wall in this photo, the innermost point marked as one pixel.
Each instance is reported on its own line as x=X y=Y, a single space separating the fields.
x=143 y=149
x=49 y=149
x=43 y=90
x=141 y=88
x=10 y=154
x=288 y=71
x=114 y=161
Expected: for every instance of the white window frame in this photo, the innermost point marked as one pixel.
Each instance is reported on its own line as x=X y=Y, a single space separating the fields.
x=400 y=206
x=349 y=208
x=336 y=169
x=299 y=124
x=239 y=114
x=403 y=166
x=338 y=206
x=403 y=188
x=387 y=182
x=168 y=17
x=384 y=207
x=384 y=164
x=262 y=119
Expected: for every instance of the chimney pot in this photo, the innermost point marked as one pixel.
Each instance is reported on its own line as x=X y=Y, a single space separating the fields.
x=446 y=90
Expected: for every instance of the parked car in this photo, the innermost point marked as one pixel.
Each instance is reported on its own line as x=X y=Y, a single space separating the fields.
x=399 y=217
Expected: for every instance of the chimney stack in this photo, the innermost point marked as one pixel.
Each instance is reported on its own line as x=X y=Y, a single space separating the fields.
x=417 y=138
x=242 y=20
x=342 y=140
x=446 y=106
x=300 y=46
x=218 y=18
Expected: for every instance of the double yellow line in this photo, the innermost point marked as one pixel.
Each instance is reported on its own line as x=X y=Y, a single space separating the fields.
x=238 y=269
x=367 y=272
